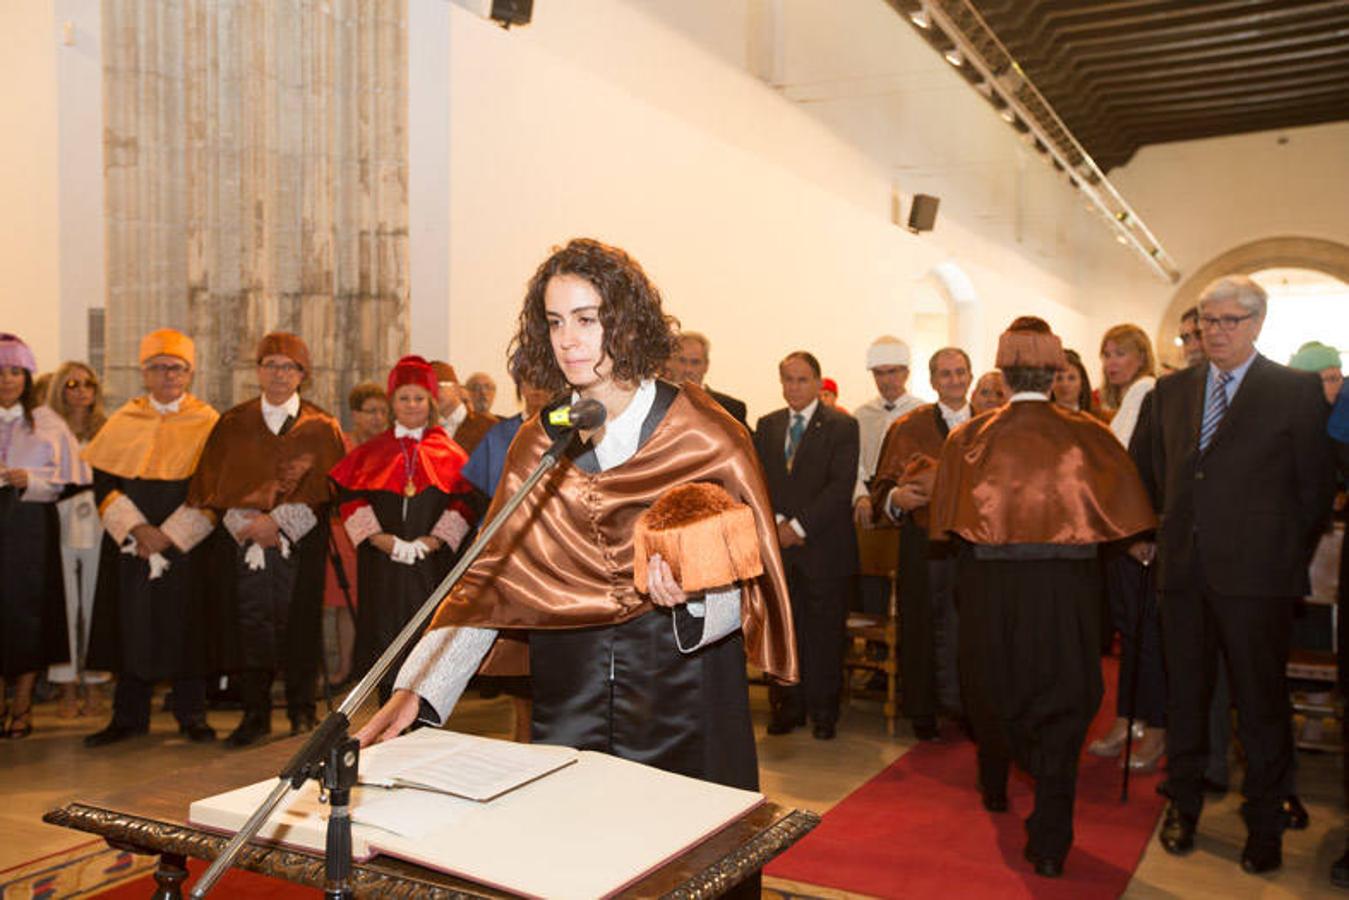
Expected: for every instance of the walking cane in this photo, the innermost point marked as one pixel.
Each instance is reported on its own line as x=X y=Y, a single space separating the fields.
x=1136 y=656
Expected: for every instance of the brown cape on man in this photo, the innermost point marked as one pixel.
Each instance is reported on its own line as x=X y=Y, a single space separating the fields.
x=565 y=560
x=909 y=454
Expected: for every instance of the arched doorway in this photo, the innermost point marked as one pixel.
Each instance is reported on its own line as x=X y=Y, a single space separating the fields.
x=1271 y=261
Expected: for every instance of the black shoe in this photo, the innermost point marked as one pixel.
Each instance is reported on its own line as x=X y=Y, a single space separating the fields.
x=784 y=724
x=1177 y=834
x=1261 y=854
x=1339 y=872
x=1295 y=814
x=822 y=732
x=197 y=731
x=1045 y=866
x=302 y=722
x=250 y=729
x=113 y=734
x=1217 y=788
x=925 y=728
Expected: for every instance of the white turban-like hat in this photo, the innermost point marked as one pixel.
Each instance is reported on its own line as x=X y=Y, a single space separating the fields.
x=887 y=351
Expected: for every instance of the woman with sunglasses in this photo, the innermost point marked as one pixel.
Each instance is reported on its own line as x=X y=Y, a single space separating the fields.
x=76 y=395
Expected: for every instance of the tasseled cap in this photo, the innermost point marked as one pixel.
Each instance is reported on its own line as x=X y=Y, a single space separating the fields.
x=168 y=342
x=887 y=350
x=1029 y=343
x=283 y=343
x=14 y=352
x=412 y=370
x=1314 y=356
x=707 y=538
x=444 y=372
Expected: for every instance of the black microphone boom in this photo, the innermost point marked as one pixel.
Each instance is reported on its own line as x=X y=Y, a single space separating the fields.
x=583 y=415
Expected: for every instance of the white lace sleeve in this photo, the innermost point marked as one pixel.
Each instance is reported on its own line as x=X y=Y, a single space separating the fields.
x=720 y=612
x=442 y=662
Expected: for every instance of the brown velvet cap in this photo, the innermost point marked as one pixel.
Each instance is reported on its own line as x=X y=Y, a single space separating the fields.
x=1028 y=342
x=706 y=537
x=444 y=371
x=283 y=343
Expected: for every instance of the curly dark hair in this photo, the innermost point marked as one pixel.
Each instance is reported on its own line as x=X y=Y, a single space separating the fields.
x=638 y=337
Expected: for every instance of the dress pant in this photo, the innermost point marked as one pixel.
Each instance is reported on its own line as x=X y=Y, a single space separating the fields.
x=1253 y=634
x=1134 y=614
x=820 y=611
x=1030 y=672
x=929 y=633
x=131 y=701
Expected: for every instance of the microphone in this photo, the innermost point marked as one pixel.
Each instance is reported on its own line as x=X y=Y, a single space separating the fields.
x=584 y=415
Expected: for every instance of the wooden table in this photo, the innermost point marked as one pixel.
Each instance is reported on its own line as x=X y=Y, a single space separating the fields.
x=151 y=818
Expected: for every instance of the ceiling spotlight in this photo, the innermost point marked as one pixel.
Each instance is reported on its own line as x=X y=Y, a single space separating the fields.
x=1122 y=239
x=955 y=57
x=919 y=18
x=1007 y=116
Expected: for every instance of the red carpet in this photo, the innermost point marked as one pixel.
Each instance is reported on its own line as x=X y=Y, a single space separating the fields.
x=918 y=830
x=236 y=883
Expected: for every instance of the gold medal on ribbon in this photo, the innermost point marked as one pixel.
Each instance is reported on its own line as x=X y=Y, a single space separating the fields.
x=409 y=489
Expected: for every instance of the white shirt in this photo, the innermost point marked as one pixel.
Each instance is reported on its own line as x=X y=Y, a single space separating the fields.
x=1021 y=396
x=276 y=416
x=10 y=413
x=452 y=422
x=623 y=432
x=954 y=417
x=167 y=409
x=415 y=433
x=1126 y=418
x=874 y=418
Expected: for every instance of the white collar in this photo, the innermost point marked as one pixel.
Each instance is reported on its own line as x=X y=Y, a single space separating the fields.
x=452 y=422
x=11 y=413
x=165 y=409
x=1019 y=396
x=623 y=432
x=806 y=412
x=400 y=431
x=285 y=410
x=954 y=415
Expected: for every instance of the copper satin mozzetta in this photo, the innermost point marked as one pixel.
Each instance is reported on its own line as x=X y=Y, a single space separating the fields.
x=565 y=558
x=908 y=456
x=1030 y=473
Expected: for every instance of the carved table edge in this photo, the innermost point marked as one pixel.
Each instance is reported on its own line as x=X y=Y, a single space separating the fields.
x=719 y=878
x=152 y=837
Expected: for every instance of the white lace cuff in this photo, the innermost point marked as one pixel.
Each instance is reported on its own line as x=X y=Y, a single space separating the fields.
x=361 y=525
x=236 y=520
x=450 y=528
x=720 y=612
x=120 y=515
x=187 y=527
x=442 y=662
x=295 y=519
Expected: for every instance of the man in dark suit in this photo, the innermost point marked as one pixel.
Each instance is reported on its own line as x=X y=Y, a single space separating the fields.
x=689 y=363
x=1239 y=466
x=809 y=454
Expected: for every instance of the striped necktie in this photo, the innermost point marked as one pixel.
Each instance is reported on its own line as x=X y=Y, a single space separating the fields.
x=1214 y=410
x=794 y=437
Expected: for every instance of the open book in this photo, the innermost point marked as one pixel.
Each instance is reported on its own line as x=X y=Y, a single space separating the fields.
x=475 y=768
x=587 y=828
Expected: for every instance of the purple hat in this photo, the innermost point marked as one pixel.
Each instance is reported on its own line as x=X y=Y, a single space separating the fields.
x=14 y=352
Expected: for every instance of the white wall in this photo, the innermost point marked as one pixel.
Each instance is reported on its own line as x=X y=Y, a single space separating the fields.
x=762 y=226
x=29 y=216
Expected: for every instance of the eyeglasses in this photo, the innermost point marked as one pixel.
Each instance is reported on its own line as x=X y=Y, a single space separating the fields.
x=1190 y=337
x=167 y=369
x=1226 y=323
x=77 y=383
x=286 y=368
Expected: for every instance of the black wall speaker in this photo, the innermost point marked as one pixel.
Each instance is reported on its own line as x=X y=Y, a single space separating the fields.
x=923 y=212
x=512 y=12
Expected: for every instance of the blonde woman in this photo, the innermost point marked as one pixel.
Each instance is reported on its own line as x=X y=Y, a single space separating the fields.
x=1128 y=369
x=75 y=394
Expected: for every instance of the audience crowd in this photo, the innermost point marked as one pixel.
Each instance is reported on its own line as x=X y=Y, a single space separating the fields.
x=1039 y=516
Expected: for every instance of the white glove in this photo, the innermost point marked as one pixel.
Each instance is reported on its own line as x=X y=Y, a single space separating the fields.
x=255 y=557
x=408 y=552
x=158 y=565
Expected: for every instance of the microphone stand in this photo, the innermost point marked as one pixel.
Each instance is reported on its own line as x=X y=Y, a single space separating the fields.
x=330 y=755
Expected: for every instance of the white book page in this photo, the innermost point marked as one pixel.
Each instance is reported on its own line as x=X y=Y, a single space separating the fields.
x=460 y=764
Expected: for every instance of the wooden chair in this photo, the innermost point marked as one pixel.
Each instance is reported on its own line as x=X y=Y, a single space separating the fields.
x=878 y=555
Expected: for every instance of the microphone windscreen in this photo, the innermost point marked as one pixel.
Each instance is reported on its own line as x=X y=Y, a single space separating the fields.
x=587 y=415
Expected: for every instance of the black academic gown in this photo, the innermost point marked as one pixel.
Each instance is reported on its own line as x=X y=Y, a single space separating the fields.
x=32 y=590
x=628 y=690
x=150 y=630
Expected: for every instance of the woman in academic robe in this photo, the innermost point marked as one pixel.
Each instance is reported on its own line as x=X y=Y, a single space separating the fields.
x=77 y=396
x=38 y=457
x=623 y=660
x=405 y=506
